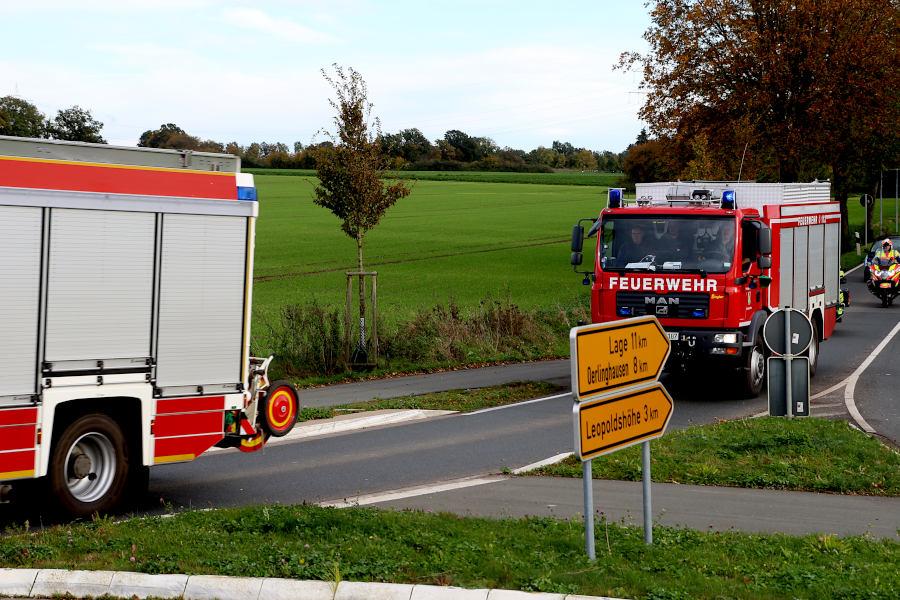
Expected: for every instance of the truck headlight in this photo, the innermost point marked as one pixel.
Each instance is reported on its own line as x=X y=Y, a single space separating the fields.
x=725 y=338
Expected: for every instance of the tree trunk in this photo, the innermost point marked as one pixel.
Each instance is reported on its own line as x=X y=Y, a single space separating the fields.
x=841 y=192
x=362 y=291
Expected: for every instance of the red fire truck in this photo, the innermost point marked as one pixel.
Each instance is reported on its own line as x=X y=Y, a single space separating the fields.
x=125 y=291
x=711 y=260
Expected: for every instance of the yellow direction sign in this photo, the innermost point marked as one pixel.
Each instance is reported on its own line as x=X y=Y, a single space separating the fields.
x=611 y=422
x=609 y=356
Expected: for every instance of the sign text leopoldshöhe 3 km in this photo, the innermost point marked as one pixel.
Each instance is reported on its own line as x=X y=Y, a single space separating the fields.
x=610 y=356
x=611 y=422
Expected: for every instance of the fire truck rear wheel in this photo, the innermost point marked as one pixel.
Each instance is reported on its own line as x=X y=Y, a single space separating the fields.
x=753 y=374
x=279 y=409
x=813 y=352
x=88 y=468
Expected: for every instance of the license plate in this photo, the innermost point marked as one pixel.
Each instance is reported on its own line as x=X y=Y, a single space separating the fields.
x=672 y=335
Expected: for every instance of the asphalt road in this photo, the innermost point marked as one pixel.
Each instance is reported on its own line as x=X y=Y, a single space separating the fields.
x=456 y=446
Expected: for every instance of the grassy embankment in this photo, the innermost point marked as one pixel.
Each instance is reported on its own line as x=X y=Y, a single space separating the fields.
x=493 y=257
x=535 y=554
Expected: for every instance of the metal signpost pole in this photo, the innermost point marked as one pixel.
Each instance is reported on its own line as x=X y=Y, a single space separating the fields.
x=787 y=363
x=881 y=200
x=588 y=477
x=648 y=517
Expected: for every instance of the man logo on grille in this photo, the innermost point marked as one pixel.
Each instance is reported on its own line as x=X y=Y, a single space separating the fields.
x=660 y=300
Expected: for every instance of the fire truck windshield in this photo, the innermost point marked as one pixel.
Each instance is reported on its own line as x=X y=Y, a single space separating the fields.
x=667 y=243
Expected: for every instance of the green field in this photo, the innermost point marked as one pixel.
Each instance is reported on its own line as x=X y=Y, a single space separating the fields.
x=556 y=178
x=448 y=240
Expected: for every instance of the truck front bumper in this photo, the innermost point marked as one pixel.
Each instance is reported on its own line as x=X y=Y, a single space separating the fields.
x=703 y=345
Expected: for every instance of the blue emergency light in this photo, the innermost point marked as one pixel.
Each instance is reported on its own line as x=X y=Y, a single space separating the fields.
x=615 y=198
x=698 y=313
x=246 y=193
x=728 y=199
x=625 y=311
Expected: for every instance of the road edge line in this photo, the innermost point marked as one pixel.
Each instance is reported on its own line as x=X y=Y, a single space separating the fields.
x=523 y=403
x=411 y=492
x=543 y=463
x=854 y=268
x=849 y=400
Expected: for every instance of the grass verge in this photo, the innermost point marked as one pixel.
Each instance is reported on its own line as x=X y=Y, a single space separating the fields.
x=815 y=455
x=532 y=554
x=458 y=400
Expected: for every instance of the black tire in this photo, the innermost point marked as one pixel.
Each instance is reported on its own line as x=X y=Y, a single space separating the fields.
x=88 y=470
x=753 y=374
x=812 y=353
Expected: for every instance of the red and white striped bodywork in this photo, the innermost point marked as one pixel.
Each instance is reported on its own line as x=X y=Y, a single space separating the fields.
x=126 y=285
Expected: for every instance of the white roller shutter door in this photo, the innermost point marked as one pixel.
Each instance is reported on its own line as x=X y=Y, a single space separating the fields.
x=100 y=291
x=20 y=276
x=832 y=261
x=786 y=267
x=201 y=304
x=801 y=278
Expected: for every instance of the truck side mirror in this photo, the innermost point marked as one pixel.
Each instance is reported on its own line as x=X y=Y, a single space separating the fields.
x=577 y=241
x=765 y=281
x=764 y=262
x=576 y=259
x=765 y=241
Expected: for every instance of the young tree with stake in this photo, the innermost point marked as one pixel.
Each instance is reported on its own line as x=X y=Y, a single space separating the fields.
x=350 y=172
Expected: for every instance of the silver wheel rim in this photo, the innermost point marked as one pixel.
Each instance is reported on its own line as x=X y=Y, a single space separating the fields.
x=757 y=367
x=813 y=350
x=98 y=451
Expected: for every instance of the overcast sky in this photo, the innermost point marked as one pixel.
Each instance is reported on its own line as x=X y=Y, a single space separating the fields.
x=522 y=72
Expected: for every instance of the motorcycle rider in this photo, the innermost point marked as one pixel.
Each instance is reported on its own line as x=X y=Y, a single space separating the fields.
x=887 y=255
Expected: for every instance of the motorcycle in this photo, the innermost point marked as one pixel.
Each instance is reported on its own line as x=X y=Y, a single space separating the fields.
x=884 y=280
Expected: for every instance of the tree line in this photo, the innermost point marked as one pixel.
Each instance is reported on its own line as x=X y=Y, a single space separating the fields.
x=406 y=149
x=21 y=118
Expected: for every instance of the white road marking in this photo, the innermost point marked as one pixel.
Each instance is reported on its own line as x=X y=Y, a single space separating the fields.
x=493 y=408
x=421 y=490
x=851 y=381
x=543 y=463
x=344 y=423
x=854 y=268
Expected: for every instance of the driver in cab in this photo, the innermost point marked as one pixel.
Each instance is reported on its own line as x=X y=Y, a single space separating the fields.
x=635 y=248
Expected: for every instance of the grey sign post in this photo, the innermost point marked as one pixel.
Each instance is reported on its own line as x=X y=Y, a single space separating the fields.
x=788 y=333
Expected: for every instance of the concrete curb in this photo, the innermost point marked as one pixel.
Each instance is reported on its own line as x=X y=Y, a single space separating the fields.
x=45 y=583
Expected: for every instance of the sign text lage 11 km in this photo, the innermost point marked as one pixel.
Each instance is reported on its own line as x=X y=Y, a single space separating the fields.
x=618 y=354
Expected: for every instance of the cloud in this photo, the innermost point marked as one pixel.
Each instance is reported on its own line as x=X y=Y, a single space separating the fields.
x=257 y=20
